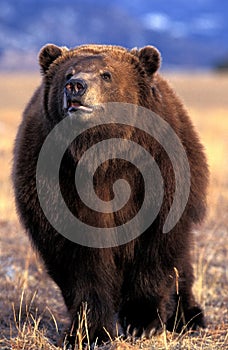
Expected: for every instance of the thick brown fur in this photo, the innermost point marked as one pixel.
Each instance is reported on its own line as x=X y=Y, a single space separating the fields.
x=136 y=282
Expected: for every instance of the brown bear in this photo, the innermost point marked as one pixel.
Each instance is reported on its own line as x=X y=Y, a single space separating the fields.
x=145 y=283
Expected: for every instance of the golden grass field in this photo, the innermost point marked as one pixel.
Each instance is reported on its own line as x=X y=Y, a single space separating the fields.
x=32 y=312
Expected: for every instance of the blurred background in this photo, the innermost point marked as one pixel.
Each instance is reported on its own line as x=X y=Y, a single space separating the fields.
x=189 y=34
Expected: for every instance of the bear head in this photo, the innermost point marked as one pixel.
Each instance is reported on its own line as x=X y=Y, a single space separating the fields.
x=87 y=76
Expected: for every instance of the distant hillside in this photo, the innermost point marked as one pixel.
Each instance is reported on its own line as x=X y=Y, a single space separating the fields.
x=190 y=34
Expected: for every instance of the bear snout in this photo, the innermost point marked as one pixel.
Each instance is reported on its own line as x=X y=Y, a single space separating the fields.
x=76 y=87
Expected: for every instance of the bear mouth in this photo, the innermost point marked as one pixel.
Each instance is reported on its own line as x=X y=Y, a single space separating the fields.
x=78 y=106
x=72 y=105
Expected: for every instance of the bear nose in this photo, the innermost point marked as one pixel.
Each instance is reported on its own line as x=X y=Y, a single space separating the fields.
x=77 y=87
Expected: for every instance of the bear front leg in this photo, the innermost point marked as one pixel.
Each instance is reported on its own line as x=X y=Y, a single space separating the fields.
x=147 y=300
x=97 y=320
x=188 y=315
x=93 y=321
x=142 y=317
x=144 y=312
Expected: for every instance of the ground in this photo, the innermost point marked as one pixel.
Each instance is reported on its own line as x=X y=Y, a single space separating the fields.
x=32 y=312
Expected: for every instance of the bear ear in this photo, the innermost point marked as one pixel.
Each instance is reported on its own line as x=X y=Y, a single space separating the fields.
x=48 y=54
x=149 y=57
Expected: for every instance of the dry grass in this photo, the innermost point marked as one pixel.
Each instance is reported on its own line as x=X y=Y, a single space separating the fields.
x=33 y=315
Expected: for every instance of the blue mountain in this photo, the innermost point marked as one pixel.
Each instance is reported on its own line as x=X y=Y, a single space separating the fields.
x=190 y=34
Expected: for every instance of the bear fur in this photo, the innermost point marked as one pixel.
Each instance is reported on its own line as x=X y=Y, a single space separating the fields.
x=135 y=283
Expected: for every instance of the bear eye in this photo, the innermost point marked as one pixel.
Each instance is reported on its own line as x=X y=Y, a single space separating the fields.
x=106 y=76
x=68 y=76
